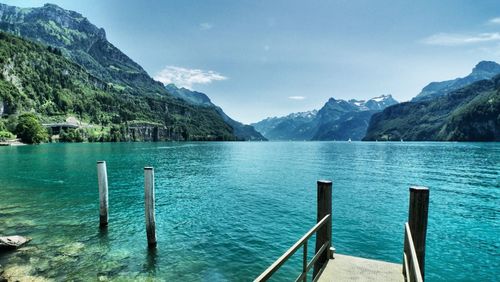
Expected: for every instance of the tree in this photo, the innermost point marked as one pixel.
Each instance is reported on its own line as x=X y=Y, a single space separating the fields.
x=30 y=130
x=5 y=135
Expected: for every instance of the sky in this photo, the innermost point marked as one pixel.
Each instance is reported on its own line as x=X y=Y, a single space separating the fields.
x=259 y=59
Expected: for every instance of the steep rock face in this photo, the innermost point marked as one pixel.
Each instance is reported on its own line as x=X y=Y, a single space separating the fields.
x=336 y=120
x=483 y=70
x=471 y=113
x=81 y=41
x=148 y=132
x=241 y=131
x=52 y=25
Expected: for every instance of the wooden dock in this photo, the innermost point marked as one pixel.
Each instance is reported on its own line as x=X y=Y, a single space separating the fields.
x=330 y=267
x=348 y=268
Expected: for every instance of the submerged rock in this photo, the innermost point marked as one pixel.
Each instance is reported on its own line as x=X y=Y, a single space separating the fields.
x=73 y=249
x=22 y=273
x=12 y=242
x=40 y=265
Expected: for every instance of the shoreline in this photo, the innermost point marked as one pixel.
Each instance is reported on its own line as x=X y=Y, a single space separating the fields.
x=15 y=142
x=18 y=143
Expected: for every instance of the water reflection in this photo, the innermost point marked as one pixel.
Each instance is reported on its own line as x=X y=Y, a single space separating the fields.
x=103 y=235
x=151 y=260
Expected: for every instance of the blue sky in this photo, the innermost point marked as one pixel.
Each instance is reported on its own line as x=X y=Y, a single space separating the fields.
x=269 y=58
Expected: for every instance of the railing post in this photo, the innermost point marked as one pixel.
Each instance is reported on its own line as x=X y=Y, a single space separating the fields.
x=304 y=262
x=102 y=178
x=406 y=254
x=417 y=220
x=149 y=204
x=325 y=233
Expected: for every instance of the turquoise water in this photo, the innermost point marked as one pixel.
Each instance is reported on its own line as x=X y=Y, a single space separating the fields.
x=226 y=211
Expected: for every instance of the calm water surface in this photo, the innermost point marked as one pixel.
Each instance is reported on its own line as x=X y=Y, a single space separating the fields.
x=225 y=211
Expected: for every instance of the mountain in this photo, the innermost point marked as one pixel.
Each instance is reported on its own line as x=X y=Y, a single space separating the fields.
x=83 y=43
x=295 y=126
x=342 y=120
x=38 y=78
x=242 y=131
x=375 y=104
x=471 y=113
x=483 y=70
x=193 y=97
x=348 y=125
x=336 y=120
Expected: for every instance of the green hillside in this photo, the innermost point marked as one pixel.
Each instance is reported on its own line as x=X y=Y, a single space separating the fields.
x=471 y=113
x=36 y=78
x=80 y=41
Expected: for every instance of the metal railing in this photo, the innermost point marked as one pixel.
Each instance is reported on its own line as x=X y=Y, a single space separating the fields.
x=410 y=261
x=306 y=266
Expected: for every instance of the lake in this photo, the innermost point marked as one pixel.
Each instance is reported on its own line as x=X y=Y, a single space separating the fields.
x=226 y=211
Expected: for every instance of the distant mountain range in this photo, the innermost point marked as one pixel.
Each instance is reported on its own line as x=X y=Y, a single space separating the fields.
x=336 y=120
x=483 y=70
x=462 y=109
x=471 y=113
x=124 y=81
x=295 y=126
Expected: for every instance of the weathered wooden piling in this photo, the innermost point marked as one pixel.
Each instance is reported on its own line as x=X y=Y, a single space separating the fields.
x=417 y=220
x=324 y=235
x=149 y=203
x=102 y=177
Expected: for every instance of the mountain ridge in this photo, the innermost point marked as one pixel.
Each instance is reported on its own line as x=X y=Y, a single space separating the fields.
x=482 y=70
x=470 y=113
x=80 y=40
x=241 y=130
x=337 y=120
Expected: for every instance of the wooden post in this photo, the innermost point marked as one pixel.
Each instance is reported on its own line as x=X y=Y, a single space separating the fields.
x=102 y=177
x=417 y=219
x=149 y=202
x=324 y=235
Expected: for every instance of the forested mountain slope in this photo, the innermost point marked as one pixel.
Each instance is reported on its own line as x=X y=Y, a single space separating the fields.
x=471 y=113
x=37 y=78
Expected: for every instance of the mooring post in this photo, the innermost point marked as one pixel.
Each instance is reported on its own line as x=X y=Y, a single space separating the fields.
x=102 y=177
x=324 y=235
x=417 y=220
x=149 y=203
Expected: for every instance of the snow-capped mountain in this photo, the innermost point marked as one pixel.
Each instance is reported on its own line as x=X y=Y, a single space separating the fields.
x=336 y=120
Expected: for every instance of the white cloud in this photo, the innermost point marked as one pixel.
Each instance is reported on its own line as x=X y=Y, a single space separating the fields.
x=206 y=26
x=296 y=97
x=183 y=77
x=453 y=39
x=494 y=21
